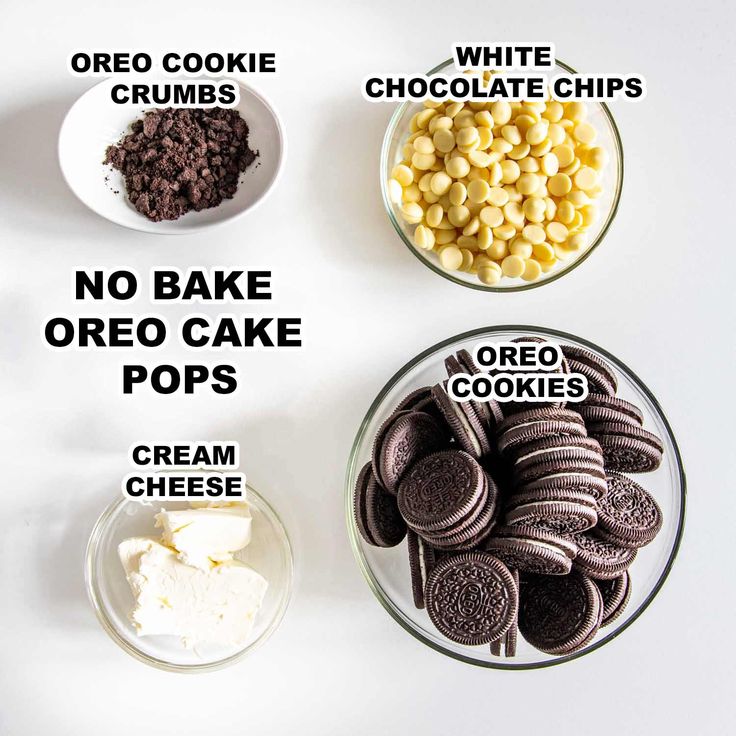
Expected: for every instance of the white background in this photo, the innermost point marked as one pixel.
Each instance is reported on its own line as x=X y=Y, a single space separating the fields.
x=658 y=294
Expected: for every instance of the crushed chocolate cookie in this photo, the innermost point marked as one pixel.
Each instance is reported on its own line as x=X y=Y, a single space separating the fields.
x=176 y=160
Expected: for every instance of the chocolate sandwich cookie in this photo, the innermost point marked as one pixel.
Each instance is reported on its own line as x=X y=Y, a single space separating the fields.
x=506 y=644
x=565 y=482
x=601 y=377
x=403 y=439
x=561 y=494
x=628 y=515
x=615 y=593
x=559 y=615
x=603 y=408
x=542 y=449
x=420 y=399
x=417 y=399
x=573 y=460
x=421 y=561
x=525 y=427
x=626 y=447
x=441 y=491
x=465 y=428
x=476 y=412
x=600 y=559
x=558 y=517
x=531 y=550
x=471 y=598
x=376 y=512
x=469 y=535
x=471 y=410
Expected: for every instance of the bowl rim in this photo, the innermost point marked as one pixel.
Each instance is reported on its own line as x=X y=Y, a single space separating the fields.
x=90 y=579
x=150 y=227
x=355 y=542
x=477 y=285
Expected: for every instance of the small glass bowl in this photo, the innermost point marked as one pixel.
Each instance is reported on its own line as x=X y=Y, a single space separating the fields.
x=387 y=570
x=611 y=181
x=269 y=553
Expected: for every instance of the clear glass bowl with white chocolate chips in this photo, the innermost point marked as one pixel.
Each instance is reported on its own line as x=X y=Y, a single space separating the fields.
x=387 y=569
x=268 y=553
x=501 y=196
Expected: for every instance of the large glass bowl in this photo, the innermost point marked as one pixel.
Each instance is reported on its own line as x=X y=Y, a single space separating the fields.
x=387 y=570
x=611 y=181
x=269 y=553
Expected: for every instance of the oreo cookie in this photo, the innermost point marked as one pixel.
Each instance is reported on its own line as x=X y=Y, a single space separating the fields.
x=567 y=482
x=553 y=494
x=441 y=491
x=547 y=448
x=523 y=428
x=573 y=460
x=420 y=399
x=471 y=598
x=600 y=559
x=376 y=513
x=471 y=532
x=421 y=561
x=403 y=439
x=603 y=408
x=627 y=448
x=615 y=593
x=506 y=645
x=601 y=377
x=531 y=550
x=559 y=615
x=628 y=515
x=464 y=426
x=557 y=517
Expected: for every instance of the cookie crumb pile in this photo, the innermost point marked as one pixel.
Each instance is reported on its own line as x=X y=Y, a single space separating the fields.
x=500 y=189
x=175 y=161
x=519 y=518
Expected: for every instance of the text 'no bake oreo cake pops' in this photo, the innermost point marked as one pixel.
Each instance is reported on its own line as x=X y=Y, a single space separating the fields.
x=520 y=516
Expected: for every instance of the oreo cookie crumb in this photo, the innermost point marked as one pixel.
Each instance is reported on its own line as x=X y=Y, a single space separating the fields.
x=175 y=161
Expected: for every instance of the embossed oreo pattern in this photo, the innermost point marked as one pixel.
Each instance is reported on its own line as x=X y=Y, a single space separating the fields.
x=626 y=447
x=529 y=555
x=557 y=615
x=601 y=559
x=383 y=520
x=560 y=517
x=628 y=514
x=409 y=437
x=440 y=490
x=471 y=598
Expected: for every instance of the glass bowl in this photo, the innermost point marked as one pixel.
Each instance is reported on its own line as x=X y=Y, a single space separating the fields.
x=611 y=181
x=387 y=570
x=269 y=553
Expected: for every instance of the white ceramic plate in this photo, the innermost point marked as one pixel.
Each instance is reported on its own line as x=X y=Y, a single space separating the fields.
x=94 y=122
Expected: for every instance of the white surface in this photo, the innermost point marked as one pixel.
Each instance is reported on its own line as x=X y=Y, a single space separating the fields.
x=94 y=123
x=339 y=664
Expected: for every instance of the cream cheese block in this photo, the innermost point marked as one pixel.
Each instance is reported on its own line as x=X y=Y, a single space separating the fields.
x=206 y=535
x=217 y=605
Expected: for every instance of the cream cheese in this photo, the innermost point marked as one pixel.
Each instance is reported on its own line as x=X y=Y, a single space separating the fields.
x=205 y=536
x=217 y=605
